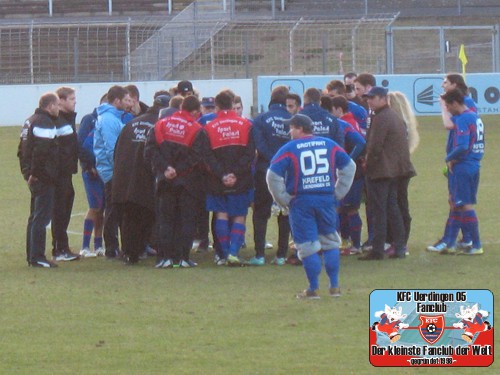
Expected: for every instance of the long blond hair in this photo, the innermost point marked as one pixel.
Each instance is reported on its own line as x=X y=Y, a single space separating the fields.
x=399 y=103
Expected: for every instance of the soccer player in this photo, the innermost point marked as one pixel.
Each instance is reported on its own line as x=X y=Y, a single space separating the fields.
x=230 y=180
x=350 y=221
x=181 y=144
x=293 y=103
x=107 y=129
x=325 y=124
x=94 y=187
x=464 y=154
x=308 y=175
x=270 y=134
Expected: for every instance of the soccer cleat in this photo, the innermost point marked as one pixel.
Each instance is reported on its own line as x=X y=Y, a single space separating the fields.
x=66 y=256
x=441 y=247
x=87 y=253
x=268 y=246
x=221 y=262
x=257 y=261
x=472 y=251
x=233 y=261
x=335 y=292
x=159 y=264
x=307 y=294
x=278 y=261
x=168 y=263
x=346 y=243
x=351 y=251
x=100 y=252
x=187 y=264
x=43 y=263
x=461 y=245
x=367 y=246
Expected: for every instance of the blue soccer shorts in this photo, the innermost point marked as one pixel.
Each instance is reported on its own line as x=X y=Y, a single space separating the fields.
x=232 y=204
x=94 y=189
x=311 y=216
x=463 y=183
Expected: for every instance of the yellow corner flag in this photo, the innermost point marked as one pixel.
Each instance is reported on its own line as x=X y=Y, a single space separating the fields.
x=463 y=58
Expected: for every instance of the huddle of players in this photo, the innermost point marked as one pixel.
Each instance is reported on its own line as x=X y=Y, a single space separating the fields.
x=183 y=153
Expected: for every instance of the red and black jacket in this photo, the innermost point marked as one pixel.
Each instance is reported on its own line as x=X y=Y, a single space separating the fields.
x=232 y=150
x=181 y=143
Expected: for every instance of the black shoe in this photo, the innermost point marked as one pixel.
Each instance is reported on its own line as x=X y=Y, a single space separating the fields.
x=43 y=263
x=130 y=261
x=398 y=255
x=372 y=256
x=65 y=255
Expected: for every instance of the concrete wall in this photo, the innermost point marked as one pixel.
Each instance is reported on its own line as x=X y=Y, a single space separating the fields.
x=19 y=102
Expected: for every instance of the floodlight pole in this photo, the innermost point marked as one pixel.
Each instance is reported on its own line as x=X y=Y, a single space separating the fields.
x=110 y=7
x=50 y=8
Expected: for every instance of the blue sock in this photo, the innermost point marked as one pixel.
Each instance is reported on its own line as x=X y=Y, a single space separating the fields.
x=97 y=242
x=312 y=266
x=470 y=226
x=332 y=266
x=237 y=238
x=355 y=225
x=452 y=228
x=88 y=227
x=222 y=231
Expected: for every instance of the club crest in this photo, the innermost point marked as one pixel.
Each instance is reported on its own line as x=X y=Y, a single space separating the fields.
x=431 y=327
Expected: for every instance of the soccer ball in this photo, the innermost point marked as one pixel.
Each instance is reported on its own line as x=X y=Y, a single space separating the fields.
x=431 y=328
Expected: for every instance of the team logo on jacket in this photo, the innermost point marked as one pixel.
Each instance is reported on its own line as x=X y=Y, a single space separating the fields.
x=431 y=327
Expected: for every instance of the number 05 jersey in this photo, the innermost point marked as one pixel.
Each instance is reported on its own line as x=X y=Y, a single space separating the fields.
x=309 y=165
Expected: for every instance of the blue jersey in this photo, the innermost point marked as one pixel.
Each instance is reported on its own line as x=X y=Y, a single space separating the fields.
x=309 y=165
x=360 y=114
x=470 y=103
x=324 y=123
x=467 y=138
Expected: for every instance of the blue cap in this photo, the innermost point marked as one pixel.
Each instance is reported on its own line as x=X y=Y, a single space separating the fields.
x=208 y=101
x=162 y=100
x=376 y=91
x=301 y=121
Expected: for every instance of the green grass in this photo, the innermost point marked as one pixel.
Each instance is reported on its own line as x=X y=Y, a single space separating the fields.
x=100 y=317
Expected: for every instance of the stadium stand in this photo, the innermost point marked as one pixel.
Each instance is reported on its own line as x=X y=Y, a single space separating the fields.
x=24 y=8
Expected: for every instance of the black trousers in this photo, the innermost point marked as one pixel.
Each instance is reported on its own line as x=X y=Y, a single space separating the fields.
x=64 y=197
x=111 y=222
x=136 y=226
x=383 y=198
x=176 y=219
x=263 y=201
x=202 y=222
x=41 y=208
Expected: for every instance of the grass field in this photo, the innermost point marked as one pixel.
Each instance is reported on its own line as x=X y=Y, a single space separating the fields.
x=100 y=317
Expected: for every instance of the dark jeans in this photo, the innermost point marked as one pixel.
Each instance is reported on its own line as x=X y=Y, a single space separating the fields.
x=261 y=212
x=111 y=223
x=136 y=224
x=64 y=197
x=383 y=198
x=42 y=203
x=404 y=206
x=176 y=219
